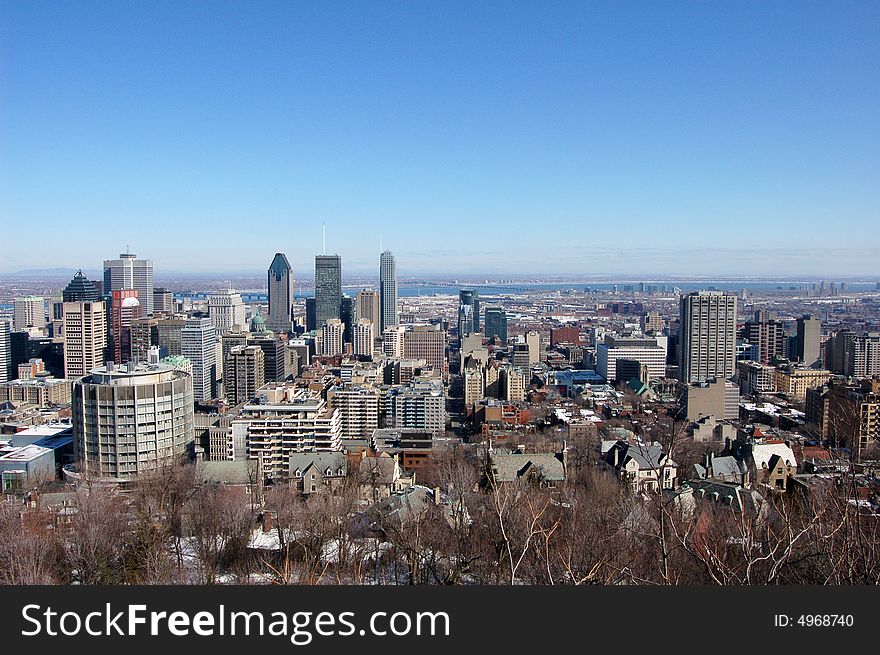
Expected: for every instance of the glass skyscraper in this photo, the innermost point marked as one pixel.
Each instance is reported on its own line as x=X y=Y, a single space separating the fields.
x=280 y=294
x=328 y=288
x=387 y=290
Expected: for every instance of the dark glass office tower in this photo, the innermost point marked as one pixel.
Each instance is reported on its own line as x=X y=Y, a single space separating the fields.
x=468 y=312
x=328 y=288
x=81 y=289
x=280 y=279
x=346 y=313
x=496 y=323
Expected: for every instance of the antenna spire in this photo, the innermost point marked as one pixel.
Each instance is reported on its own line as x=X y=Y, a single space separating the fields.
x=324 y=248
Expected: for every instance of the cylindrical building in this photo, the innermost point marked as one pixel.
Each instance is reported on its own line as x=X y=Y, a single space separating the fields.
x=131 y=419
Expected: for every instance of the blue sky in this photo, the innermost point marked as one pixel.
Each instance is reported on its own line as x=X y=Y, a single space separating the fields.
x=646 y=137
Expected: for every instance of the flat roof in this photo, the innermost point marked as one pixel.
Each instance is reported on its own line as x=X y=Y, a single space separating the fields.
x=25 y=454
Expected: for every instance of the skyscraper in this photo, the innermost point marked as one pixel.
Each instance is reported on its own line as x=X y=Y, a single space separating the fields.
x=198 y=343
x=328 y=288
x=767 y=335
x=364 y=337
x=496 y=323
x=81 y=289
x=280 y=294
x=331 y=337
x=366 y=306
x=30 y=311
x=125 y=307
x=226 y=310
x=247 y=373
x=129 y=272
x=387 y=291
x=346 y=315
x=5 y=352
x=468 y=312
x=809 y=333
x=708 y=336
x=85 y=337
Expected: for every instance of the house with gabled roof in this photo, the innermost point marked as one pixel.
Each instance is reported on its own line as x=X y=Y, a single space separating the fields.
x=542 y=469
x=643 y=466
x=317 y=471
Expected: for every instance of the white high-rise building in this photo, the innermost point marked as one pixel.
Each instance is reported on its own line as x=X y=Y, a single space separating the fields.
x=358 y=407
x=5 y=352
x=331 y=337
x=226 y=310
x=392 y=341
x=198 y=343
x=129 y=272
x=363 y=337
x=30 y=311
x=85 y=337
x=387 y=290
x=707 y=336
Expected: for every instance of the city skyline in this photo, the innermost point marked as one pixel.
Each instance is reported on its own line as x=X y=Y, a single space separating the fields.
x=717 y=142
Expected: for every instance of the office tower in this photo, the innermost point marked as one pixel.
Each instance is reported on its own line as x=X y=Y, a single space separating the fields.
x=468 y=312
x=125 y=307
x=331 y=337
x=129 y=272
x=311 y=319
x=367 y=306
x=392 y=341
x=170 y=331
x=496 y=323
x=226 y=310
x=85 y=337
x=247 y=373
x=387 y=291
x=809 y=333
x=647 y=351
x=198 y=343
x=328 y=288
x=80 y=289
x=163 y=301
x=520 y=355
x=144 y=335
x=29 y=311
x=767 y=335
x=273 y=351
x=426 y=342
x=346 y=315
x=228 y=342
x=6 y=370
x=159 y=403
x=280 y=281
x=708 y=336
x=533 y=340
x=363 y=338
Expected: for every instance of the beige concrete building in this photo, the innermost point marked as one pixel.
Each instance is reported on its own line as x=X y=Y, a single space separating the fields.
x=85 y=337
x=794 y=381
